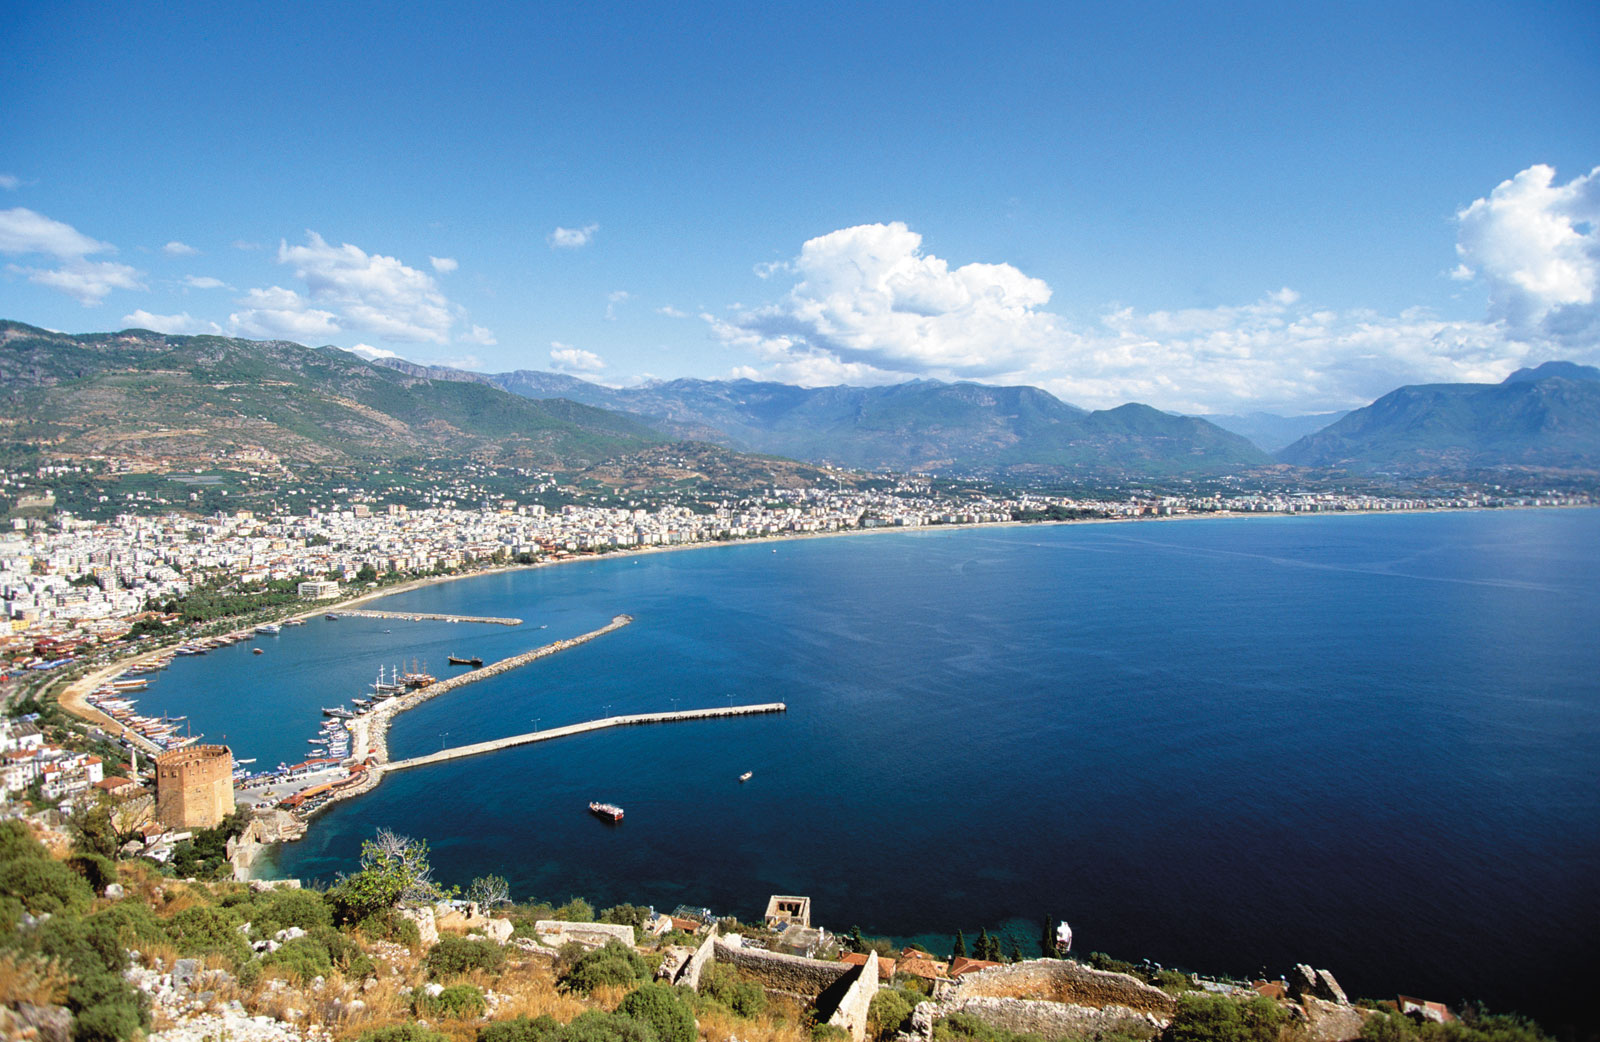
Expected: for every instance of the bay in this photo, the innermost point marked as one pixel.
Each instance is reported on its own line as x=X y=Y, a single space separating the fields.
x=1364 y=742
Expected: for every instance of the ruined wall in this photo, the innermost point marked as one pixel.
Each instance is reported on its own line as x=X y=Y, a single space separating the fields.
x=786 y=974
x=555 y=932
x=194 y=786
x=851 y=1013
x=698 y=962
x=1048 y=1020
x=1058 y=980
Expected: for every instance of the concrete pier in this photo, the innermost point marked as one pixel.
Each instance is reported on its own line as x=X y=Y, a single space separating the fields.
x=460 y=751
x=420 y=616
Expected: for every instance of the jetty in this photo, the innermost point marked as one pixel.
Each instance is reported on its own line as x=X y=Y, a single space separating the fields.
x=421 y=616
x=460 y=751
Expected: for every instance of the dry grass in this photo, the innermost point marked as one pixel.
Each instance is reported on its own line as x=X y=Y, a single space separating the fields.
x=529 y=990
x=784 y=1021
x=31 y=978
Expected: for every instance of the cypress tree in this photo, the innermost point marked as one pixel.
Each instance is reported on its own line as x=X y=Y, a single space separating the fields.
x=1047 y=939
x=1016 y=952
x=857 y=942
x=960 y=949
x=981 y=949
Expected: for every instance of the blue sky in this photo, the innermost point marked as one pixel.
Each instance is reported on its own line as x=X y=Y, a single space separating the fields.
x=1203 y=207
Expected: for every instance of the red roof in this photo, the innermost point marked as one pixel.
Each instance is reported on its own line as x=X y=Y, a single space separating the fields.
x=961 y=964
x=885 y=966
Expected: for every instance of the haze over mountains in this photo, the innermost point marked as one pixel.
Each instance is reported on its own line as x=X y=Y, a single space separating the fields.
x=139 y=392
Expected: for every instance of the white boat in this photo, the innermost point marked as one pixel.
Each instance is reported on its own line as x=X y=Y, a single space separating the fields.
x=746 y=776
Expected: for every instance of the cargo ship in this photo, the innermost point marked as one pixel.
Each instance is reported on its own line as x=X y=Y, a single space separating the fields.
x=456 y=660
x=606 y=811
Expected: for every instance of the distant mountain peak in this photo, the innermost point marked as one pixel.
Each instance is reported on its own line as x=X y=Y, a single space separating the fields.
x=1561 y=370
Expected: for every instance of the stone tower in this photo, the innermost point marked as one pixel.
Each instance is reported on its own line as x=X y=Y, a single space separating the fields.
x=194 y=786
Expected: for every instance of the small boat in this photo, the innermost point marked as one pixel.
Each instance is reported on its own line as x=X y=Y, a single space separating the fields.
x=256 y=651
x=746 y=776
x=455 y=660
x=606 y=811
x=271 y=629
x=330 y=616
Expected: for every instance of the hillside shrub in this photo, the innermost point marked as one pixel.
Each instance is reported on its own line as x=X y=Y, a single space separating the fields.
x=726 y=985
x=43 y=885
x=1213 y=1018
x=888 y=1011
x=964 y=1027
x=614 y=965
x=17 y=843
x=521 y=1029
x=459 y=1001
x=96 y=870
x=206 y=930
x=453 y=956
x=301 y=959
x=662 y=1007
x=404 y=1033
x=597 y=1026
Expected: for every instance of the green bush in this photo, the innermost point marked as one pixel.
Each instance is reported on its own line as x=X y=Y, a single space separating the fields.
x=828 y=1033
x=596 y=1026
x=302 y=959
x=726 y=985
x=1172 y=982
x=453 y=956
x=404 y=1033
x=576 y=910
x=615 y=965
x=963 y=1027
x=97 y=871
x=281 y=909
x=662 y=1007
x=521 y=1029
x=208 y=929
x=45 y=886
x=1213 y=1018
x=459 y=1001
x=389 y=925
x=889 y=1010
x=130 y=922
x=17 y=843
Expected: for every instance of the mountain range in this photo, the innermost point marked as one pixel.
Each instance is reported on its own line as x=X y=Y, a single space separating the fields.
x=204 y=399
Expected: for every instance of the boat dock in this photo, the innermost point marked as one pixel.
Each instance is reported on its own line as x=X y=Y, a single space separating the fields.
x=592 y=725
x=422 y=616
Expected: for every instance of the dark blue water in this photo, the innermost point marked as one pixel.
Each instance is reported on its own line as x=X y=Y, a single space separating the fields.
x=1369 y=743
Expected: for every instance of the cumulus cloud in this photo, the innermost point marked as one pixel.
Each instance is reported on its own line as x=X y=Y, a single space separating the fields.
x=180 y=324
x=571 y=238
x=179 y=249
x=480 y=335
x=371 y=353
x=869 y=305
x=1536 y=246
x=204 y=282
x=10 y=182
x=443 y=265
x=671 y=312
x=278 y=312
x=615 y=297
x=86 y=281
x=564 y=358
x=23 y=231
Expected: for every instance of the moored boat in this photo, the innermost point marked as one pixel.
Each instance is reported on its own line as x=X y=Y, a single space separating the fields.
x=746 y=776
x=606 y=811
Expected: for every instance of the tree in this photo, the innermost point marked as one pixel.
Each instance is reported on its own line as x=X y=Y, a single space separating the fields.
x=1213 y=1018
x=489 y=891
x=394 y=868
x=959 y=950
x=1047 y=938
x=1016 y=952
x=889 y=1010
x=980 y=950
x=857 y=942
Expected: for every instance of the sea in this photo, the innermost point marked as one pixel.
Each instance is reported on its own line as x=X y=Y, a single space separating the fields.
x=1370 y=743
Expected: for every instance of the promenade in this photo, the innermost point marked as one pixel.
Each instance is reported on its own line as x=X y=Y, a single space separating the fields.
x=460 y=751
x=421 y=616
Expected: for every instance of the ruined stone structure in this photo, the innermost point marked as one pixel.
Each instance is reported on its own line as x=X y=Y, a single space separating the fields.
x=841 y=991
x=194 y=786
x=1052 y=998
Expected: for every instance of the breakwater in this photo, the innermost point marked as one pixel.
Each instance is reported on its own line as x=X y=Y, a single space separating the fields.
x=478 y=748
x=422 y=616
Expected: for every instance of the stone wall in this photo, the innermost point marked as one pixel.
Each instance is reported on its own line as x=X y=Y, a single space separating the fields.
x=556 y=933
x=785 y=974
x=851 y=1012
x=698 y=962
x=1059 y=980
x=1048 y=1020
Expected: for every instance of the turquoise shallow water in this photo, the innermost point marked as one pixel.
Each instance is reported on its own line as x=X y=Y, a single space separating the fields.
x=1364 y=742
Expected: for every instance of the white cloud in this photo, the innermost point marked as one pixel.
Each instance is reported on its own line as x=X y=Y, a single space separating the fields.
x=204 y=282
x=246 y=245
x=443 y=265
x=671 y=312
x=615 y=297
x=371 y=353
x=868 y=306
x=24 y=231
x=371 y=292
x=571 y=238
x=179 y=249
x=480 y=335
x=180 y=324
x=10 y=182
x=564 y=358
x=277 y=312
x=1536 y=245
x=87 y=281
